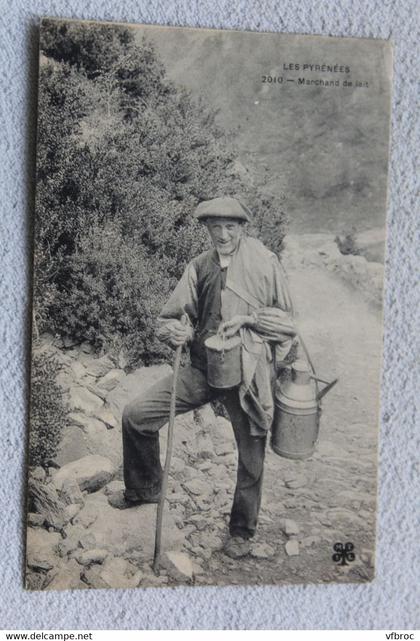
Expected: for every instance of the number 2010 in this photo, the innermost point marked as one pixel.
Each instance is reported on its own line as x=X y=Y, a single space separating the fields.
x=270 y=79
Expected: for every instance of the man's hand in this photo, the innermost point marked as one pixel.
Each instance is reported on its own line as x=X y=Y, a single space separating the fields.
x=178 y=334
x=232 y=327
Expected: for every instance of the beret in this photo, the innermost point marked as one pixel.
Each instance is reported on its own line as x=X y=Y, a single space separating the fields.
x=224 y=207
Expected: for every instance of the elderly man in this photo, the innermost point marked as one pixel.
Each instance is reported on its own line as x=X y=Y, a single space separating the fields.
x=235 y=288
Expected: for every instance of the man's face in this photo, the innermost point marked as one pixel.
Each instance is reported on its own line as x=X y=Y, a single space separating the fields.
x=225 y=234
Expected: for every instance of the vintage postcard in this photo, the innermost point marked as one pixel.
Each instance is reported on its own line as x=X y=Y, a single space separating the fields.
x=207 y=309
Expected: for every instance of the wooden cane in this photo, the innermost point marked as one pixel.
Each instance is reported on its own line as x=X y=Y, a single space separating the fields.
x=169 y=447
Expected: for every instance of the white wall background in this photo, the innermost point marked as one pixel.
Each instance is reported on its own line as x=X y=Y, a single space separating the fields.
x=390 y=601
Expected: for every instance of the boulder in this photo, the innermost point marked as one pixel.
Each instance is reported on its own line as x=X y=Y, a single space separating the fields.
x=111 y=379
x=66 y=577
x=73 y=445
x=91 y=472
x=77 y=370
x=70 y=492
x=114 y=573
x=106 y=415
x=121 y=531
x=36 y=520
x=86 y=516
x=41 y=548
x=135 y=384
x=178 y=566
x=98 y=391
x=98 y=367
x=38 y=474
x=80 y=398
x=70 y=511
x=87 y=557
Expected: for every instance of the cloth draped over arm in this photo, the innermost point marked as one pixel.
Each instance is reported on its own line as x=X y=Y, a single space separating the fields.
x=255 y=286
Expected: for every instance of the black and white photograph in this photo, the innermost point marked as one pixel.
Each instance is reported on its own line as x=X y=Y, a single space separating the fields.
x=207 y=307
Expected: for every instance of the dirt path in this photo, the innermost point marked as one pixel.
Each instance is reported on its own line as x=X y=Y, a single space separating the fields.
x=307 y=506
x=331 y=497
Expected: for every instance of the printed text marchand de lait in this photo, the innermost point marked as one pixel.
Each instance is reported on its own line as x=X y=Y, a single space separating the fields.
x=332 y=81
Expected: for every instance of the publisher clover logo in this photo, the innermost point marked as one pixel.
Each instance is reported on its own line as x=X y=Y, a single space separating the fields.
x=343 y=553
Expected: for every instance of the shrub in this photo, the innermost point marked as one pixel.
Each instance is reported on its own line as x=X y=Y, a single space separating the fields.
x=124 y=157
x=347 y=244
x=48 y=414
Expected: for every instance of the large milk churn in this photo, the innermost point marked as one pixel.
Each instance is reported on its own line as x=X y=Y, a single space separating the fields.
x=297 y=412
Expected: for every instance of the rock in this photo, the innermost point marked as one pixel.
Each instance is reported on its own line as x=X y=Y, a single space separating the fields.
x=114 y=486
x=226 y=447
x=262 y=551
x=69 y=342
x=199 y=521
x=36 y=520
x=47 y=502
x=87 y=348
x=92 y=577
x=73 y=445
x=205 y=466
x=110 y=380
x=66 y=577
x=204 y=445
x=107 y=417
x=178 y=566
x=311 y=541
x=86 y=516
x=292 y=547
x=41 y=548
x=68 y=545
x=91 y=472
x=87 y=540
x=98 y=367
x=371 y=244
x=38 y=474
x=77 y=369
x=177 y=465
x=205 y=418
x=197 y=487
x=70 y=492
x=114 y=573
x=295 y=482
x=92 y=556
x=82 y=399
x=97 y=390
x=289 y=527
x=134 y=384
x=122 y=530
x=70 y=511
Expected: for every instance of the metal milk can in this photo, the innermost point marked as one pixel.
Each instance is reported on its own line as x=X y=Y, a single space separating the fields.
x=223 y=361
x=295 y=429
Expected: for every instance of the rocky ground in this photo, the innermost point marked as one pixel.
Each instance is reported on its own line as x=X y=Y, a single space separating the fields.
x=308 y=506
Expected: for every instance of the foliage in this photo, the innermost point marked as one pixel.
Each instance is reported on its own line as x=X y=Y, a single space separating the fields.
x=124 y=157
x=48 y=409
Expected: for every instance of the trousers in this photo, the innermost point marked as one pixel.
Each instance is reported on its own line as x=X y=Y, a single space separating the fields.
x=142 y=420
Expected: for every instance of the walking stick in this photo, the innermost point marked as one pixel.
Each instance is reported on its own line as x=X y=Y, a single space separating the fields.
x=159 y=516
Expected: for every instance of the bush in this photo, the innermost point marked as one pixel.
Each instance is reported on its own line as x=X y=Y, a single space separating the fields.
x=124 y=157
x=347 y=244
x=48 y=414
